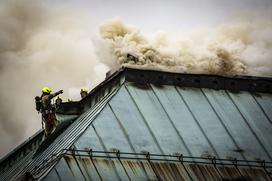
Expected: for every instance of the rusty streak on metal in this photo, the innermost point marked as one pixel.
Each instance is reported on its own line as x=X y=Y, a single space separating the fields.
x=174 y=171
x=90 y=153
x=148 y=159
x=180 y=158
x=68 y=162
x=78 y=165
x=118 y=156
x=151 y=167
x=96 y=169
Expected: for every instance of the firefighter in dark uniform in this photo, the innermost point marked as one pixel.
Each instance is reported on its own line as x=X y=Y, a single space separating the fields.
x=83 y=93
x=48 y=111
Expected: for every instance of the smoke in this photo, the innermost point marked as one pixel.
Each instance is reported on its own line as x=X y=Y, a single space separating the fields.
x=241 y=47
x=40 y=46
x=61 y=48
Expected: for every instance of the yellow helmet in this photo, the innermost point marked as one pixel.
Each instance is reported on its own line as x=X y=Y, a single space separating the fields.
x=83 y=90
x=46 y=90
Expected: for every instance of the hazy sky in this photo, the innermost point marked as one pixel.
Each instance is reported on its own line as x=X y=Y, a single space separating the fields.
x=171 y=15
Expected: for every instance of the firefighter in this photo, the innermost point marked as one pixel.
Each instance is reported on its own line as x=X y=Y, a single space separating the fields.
x=58 y=102
x=48 y=111
x=83 y=93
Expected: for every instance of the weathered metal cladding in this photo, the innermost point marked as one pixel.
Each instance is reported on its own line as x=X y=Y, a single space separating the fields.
x=189 y=121
x=175 y=120
x=88 y=168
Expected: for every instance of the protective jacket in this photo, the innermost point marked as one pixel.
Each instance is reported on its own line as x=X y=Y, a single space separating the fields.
x=48 y=112
x=46 y=100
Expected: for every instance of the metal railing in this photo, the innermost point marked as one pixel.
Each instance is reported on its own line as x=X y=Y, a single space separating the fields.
x=172 y=158
x=147 y=156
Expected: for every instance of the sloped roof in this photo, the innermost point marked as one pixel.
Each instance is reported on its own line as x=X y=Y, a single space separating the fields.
x=192 y=121
x=137 y=111
x=161 y=120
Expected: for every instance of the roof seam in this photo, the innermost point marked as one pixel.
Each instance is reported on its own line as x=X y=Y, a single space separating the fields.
x=245 y=120
x=144 y=119
x=260 y=106
x=172 y=123
x=122 y=128
x=105 y=148
x=222 y=123
x=198 y=124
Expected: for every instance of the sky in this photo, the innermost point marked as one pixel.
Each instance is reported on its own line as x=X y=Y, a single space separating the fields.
x=174 y=15
x=65 y=41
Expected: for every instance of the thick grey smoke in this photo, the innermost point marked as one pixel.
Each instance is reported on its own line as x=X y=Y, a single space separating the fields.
x=241 y=47
x=41 y=47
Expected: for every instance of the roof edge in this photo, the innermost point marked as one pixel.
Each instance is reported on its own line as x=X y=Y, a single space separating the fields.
x=21 y=147
x=218 y=82
x=234 y=83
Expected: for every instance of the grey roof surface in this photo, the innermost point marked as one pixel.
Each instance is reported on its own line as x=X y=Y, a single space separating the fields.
x=171 y=120
x=192 y=121
x=138 y=111
x=168 y=119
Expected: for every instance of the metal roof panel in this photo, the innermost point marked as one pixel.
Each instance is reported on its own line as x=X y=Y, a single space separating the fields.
x=170 y=119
